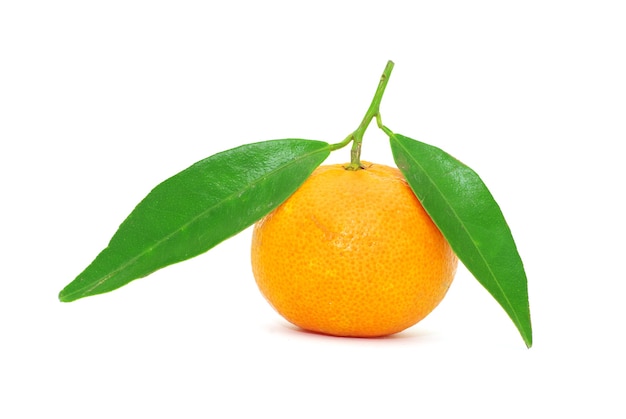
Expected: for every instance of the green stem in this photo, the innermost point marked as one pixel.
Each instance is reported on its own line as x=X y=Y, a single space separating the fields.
x=373 y=111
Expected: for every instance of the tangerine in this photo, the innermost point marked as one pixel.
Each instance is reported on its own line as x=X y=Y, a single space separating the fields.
x=352 y=253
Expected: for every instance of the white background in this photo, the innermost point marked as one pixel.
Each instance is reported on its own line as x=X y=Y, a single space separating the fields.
x=100 y=101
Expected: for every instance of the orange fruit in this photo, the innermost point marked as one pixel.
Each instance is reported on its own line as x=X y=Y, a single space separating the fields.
x=352 y=253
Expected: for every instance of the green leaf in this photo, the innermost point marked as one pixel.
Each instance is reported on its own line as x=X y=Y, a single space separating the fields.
x=198 y=208
x=468 y=216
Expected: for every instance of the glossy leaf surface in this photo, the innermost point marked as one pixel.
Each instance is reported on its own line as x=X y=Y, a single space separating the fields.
x=468 y=216
x=198 y=208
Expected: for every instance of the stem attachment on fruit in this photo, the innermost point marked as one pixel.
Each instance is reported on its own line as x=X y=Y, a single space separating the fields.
x=373 y=111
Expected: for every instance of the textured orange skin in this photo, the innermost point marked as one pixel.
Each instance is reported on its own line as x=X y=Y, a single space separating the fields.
x=352 y=253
